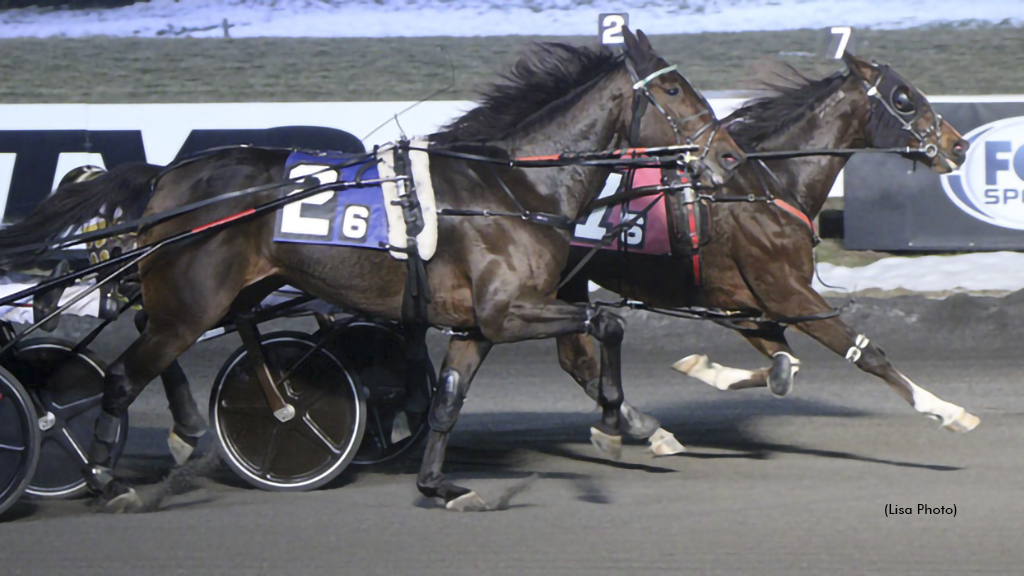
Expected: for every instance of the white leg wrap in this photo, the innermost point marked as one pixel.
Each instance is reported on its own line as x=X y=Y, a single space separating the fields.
x=853 y=354
x=953 y=417
x=722 y=377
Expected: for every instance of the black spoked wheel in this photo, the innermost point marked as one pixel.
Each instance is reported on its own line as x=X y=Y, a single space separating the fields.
x=312 y=448
x=396 y=414
x=69 y=388
x=19 y=440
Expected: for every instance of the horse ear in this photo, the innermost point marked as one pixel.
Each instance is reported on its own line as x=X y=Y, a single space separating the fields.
x=633 y=49
x=645 y=44
x=859 y=67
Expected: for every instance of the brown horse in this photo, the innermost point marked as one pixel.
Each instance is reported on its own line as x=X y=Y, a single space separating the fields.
x=491 y=279
x=760 y=254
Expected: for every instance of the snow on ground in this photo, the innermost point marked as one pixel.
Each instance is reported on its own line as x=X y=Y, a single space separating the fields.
x=383 y=18
x=985 y=271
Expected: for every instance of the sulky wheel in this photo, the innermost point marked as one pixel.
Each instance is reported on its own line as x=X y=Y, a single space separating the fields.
x=19 y=439
x=396 y=419
x=310 y=449
x=68 y=387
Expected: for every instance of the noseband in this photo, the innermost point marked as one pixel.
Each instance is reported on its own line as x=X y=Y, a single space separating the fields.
x=642 y=95
x=882 y=92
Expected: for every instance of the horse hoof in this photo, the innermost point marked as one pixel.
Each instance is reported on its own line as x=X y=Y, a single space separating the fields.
x=181 y=446
x=781 y=375
x=400 y=428
x=126 y=502
x=690 y=363
x=469 y=502
x=609 y=445
x=963 y=423
x=664 y=443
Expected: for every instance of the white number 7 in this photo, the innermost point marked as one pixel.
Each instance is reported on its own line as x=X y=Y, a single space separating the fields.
x=844 y=33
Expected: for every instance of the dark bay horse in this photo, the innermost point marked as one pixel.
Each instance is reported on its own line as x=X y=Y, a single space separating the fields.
x=492 y=279
x=760 y=254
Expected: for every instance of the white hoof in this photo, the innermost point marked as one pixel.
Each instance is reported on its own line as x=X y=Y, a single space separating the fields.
x=400 y=428
x=690 y=363
x=664 y=443
x=965 y=422
x=610 y=446
x=180 y=449
x=470 y=502
x=125 y=502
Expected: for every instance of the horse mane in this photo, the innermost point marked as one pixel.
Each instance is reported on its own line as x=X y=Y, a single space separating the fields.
x=788 y=102
x=550 y=73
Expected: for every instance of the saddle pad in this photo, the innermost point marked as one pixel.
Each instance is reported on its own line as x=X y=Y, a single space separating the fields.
x=360 y=217
x=650 y=234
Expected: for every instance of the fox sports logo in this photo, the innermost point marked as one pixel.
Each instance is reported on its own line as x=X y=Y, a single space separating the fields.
x=990 y=184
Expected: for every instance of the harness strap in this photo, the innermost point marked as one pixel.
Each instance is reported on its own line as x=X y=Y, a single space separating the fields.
x=795 y=212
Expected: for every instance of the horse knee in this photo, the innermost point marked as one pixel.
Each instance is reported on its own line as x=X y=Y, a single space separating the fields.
x=448 y=400
x=868 y=357
x=606 y=326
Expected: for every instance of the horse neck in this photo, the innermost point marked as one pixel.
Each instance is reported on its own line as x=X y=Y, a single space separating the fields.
x=836 y=123
x=594 y=122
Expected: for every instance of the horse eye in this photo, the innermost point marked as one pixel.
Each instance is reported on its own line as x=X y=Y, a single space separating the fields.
x=901 y=101
x=673 y=91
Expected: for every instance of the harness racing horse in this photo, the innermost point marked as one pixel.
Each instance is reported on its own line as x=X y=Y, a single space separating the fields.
x=492 y=279
x=759 y=257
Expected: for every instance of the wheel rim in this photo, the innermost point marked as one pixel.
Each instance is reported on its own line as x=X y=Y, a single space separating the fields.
x=19 y=439
x=377 y=354
x=69 y=386
x=306 y=451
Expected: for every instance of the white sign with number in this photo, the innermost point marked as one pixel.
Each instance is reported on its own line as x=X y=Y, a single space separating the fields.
x=609 y=27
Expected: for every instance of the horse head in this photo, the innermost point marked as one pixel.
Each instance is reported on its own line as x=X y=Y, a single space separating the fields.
x=901 y=116
x=683 y=114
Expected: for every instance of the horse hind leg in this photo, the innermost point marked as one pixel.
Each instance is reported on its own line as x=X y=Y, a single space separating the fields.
x=189 y=425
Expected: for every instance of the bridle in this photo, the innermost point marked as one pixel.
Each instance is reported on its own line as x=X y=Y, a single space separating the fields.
x=882 y=92
x=642 y=96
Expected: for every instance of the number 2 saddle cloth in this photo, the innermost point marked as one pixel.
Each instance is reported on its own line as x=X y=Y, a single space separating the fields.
x=368 y=214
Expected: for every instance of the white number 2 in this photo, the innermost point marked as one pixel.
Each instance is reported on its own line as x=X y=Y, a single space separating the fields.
x=844 y=33
x=610 y=27
x=292 y=220
x=355 y=222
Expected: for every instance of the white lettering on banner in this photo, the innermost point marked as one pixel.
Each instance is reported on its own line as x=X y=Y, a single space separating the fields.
x=165 y=127
x=6 y=171
x=990 y=184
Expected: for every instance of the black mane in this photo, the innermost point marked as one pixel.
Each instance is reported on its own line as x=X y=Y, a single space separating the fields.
x=760 y=118
x=551 y=72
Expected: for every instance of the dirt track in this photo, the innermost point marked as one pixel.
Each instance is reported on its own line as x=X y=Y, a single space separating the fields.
x=769 y=486
x=108 y=70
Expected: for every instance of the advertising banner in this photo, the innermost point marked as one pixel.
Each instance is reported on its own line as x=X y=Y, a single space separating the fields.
x=978 y=207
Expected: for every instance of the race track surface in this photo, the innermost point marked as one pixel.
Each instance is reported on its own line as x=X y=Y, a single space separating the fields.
x=769 y=486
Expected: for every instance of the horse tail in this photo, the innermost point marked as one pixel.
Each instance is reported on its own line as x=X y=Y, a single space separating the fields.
x=77 y=200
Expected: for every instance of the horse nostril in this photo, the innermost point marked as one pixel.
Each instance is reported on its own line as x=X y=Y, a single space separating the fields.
x=960 y=148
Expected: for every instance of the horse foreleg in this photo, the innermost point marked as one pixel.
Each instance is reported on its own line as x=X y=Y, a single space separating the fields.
x=189 y=424
x=536 y=317
x=577 y=357
x=460 y=365
x=858 y=349
x=769 y=340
